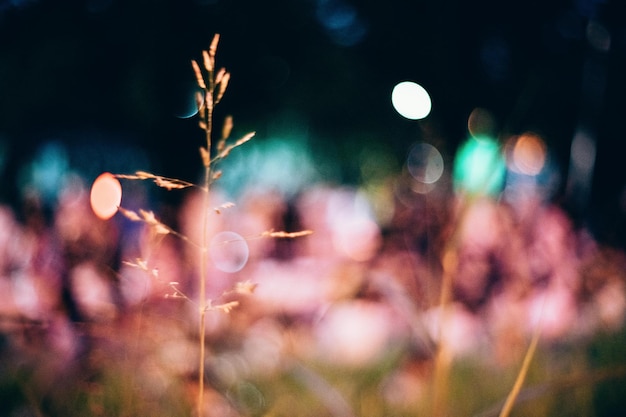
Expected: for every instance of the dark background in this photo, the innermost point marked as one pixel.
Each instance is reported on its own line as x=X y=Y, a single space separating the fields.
x=102 y=75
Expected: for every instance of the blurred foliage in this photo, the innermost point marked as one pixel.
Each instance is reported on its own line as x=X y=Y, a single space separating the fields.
x=566 y=379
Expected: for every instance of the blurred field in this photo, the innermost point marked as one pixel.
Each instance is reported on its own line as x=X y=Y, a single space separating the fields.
x=343 y=322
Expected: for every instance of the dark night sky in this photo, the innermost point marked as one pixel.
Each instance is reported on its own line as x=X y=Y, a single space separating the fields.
x=114 y=70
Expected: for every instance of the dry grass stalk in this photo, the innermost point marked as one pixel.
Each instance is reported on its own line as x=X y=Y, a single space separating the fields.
x=443 y=359
x=163 y=182
x=213 y=85
x=521 y=376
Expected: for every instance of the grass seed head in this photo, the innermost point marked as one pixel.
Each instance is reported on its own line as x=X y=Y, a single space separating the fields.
x=198 y=73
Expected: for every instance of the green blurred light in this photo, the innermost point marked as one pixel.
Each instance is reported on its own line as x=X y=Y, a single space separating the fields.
x=479 y=167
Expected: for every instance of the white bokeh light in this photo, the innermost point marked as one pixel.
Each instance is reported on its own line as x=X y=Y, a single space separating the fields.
x=411 y=100
x=425 y=163
x=229 y=251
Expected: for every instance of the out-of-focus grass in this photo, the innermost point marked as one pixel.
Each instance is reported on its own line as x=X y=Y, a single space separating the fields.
x=568 y=378
x=109 y=389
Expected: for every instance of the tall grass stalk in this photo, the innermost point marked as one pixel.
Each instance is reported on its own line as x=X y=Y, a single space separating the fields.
x=449 y=263
x=521 y=376
x=442 y=354
x=207 y=99
x=212 y=85
x=443 y=359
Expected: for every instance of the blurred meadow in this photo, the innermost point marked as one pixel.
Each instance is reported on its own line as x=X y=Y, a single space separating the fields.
x=460 y=167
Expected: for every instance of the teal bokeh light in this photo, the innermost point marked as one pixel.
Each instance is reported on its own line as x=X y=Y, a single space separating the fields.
x=479 y=167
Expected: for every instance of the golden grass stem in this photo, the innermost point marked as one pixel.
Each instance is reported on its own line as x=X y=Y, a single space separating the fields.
x=203 y=270
x=521 y=376
x=449 y=263
x=208 y=128
x=442 y=355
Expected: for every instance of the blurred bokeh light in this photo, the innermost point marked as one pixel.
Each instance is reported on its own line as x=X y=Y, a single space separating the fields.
x=479 y=166
x=229 y=251
x=411 y=100
x=520 y=206
x=425 y=163
x=106 y=195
